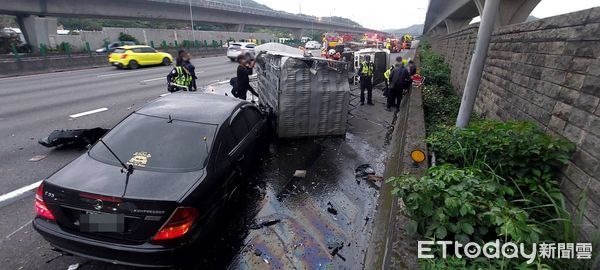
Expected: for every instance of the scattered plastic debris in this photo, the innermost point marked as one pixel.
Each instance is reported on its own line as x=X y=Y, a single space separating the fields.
x=37 y=158
x=331 y=209
x=73 y=266
x=81 y=137
x=300 y=173
x=256 y=226
x=362 y=172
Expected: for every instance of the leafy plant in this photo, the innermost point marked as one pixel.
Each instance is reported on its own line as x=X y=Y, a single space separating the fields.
x=516 y=150
x=127 y=37
x=462 y=204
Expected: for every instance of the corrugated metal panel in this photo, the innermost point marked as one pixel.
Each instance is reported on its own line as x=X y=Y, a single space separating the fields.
x=309 y=96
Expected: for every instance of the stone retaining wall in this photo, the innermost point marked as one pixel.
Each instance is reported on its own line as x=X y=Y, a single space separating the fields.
x=548 y=72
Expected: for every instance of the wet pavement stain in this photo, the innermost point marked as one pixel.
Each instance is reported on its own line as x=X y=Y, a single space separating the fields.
x=303 y=236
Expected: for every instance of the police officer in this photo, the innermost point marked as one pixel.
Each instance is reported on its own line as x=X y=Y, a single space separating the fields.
x=398 y=79
x=365 y=72
x=183 y=76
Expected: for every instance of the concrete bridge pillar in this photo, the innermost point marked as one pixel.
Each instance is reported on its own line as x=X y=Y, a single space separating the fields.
x=235 y=27
x=511 y=11
x=297 y=34
x=38 y=30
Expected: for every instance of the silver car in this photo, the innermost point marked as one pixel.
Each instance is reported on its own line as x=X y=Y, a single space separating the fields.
x=240 y=48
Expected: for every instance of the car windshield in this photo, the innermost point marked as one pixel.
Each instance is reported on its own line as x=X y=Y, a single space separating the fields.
x=157 y=144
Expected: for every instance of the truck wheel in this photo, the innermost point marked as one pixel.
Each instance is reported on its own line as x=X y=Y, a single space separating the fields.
x=133 y=64
x=166 y=61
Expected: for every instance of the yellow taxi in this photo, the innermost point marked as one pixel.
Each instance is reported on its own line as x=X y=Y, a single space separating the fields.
x=133 y=56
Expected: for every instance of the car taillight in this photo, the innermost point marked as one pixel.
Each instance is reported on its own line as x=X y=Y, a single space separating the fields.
x=123 y=56
x=40 y=206
x=178 y=224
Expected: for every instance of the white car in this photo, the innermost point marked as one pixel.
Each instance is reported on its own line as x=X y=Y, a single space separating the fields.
x=240 y=48
x=313 y=45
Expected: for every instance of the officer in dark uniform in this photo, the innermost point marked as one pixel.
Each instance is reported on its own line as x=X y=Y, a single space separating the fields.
x=365 y=72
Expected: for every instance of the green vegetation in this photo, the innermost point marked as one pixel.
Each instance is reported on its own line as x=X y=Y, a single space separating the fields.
x=440 y=101
x=493 y=180
x=127 y=37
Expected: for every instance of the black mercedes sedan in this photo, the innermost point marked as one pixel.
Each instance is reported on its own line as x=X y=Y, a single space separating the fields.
x=145 y=193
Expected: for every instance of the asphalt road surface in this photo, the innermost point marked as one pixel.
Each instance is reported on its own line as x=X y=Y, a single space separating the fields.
x=32 y=106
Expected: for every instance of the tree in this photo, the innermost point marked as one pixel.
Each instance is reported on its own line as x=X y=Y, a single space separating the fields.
x=127 y=37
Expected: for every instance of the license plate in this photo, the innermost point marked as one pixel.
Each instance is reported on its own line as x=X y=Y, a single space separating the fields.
x=101 y=222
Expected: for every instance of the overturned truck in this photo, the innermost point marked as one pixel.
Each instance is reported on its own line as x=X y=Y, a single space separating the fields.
x=308 y=96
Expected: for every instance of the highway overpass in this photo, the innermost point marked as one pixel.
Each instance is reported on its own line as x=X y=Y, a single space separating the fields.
x=444 y=17
x=31 y=15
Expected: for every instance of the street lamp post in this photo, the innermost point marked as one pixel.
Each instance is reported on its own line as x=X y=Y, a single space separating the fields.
x=192 y=22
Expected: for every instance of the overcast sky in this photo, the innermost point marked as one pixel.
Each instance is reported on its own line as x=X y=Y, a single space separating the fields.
x=382 y=14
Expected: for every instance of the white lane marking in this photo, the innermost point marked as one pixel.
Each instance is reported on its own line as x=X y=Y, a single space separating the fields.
x=88 y=112
x=20 y=228
x=151 y=80
x=43 y=75
x=20 y=191
x=120 y=74
x=165 y=94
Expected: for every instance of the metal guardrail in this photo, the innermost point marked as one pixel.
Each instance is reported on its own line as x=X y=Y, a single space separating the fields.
x=253 y=10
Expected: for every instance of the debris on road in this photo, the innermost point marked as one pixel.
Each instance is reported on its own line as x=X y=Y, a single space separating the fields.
x=335 y=247
x=375 y=178
x=363 y=172
x=37 y=158
x=256 y=226
x=300 y=173
x=331 y=209
x=73 y=266
x=257 y=252
x=76 y=137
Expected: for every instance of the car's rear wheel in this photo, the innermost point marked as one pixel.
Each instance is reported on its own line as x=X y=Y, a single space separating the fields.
x=133 y=64
x=166 y=61
x=232 y=59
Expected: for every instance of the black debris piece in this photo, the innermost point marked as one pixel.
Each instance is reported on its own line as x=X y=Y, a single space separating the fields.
x=362 y=172
x=256 y=226
x=257 y=252
x=330 y=209
x=335 y=247
x=73 y=137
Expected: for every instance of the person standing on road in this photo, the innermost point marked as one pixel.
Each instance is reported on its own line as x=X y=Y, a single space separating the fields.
x=244 y=70
x=187 y=63
x=387 y=75
x=365 y=72
x=397 y=85
x=183 y=76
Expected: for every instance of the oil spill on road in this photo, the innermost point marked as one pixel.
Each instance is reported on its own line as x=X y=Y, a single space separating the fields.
x=299 y=230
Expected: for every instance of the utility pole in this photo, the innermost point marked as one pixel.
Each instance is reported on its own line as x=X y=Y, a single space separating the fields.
x=192 y=22
x=241 y=3
x=486 y=27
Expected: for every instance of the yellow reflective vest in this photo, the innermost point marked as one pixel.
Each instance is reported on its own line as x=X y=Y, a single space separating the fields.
x=367 y=69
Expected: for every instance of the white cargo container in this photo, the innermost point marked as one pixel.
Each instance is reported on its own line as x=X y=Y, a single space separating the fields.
x=309 y=96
